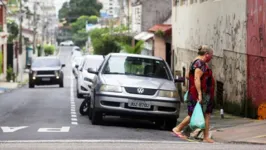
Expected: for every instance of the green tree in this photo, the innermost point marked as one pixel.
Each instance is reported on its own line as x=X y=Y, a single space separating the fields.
x=132 y=49
x=63 y=12
x=13 y=30
x=81 y=22
x=80 y=38
x=75 y=8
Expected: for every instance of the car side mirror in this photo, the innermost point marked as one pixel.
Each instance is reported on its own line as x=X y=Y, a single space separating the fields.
x=76 y=66
x=63 y=65
x=28 y=66
x=93 y=71
x=179 y=79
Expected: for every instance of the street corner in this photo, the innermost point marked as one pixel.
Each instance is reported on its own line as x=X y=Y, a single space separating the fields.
x=7 y=86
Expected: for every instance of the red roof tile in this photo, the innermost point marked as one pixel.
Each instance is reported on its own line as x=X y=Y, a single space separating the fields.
x=167 y=28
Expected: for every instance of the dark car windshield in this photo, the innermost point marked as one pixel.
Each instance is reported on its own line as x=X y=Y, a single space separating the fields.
x=46 y=63
x=137 y=66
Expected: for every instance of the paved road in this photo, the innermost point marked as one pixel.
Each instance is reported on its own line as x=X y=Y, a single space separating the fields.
x=51 y=113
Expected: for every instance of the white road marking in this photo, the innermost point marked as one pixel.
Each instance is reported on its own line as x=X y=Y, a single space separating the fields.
x=63 y=129
x=12 y=129
x=74 y=123
x=74 y=119
x=99 y=141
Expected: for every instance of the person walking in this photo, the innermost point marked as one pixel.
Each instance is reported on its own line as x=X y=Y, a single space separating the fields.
x=201 y=88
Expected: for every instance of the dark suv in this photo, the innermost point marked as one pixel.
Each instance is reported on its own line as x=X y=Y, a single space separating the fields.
x=46 y=71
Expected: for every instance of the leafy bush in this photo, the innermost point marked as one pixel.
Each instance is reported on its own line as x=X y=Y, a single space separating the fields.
x=9 y=74
x=49 y=49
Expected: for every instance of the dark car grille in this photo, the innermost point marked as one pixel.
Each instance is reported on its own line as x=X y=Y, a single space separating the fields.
x=145 y=92
x=45 y=72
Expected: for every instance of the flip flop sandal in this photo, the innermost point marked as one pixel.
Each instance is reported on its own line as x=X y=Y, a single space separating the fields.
x=180 y=135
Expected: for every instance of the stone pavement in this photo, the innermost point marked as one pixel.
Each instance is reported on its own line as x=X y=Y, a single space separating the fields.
x=231 y=129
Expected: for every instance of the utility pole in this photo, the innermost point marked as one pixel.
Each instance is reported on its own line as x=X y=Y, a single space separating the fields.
x=34 y=27
x=21 y=20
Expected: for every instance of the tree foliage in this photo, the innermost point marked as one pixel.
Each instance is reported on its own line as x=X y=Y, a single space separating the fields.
x=75 y=8
x=81 y=22
x=80 y=37
x=104 y=42
x=133 y=49
x=13 y=30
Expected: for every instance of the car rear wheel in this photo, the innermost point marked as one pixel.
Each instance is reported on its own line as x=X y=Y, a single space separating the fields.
x=170 y=124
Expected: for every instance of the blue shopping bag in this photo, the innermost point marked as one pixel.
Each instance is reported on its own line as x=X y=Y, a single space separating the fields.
x=197 y=119
x=186 y=97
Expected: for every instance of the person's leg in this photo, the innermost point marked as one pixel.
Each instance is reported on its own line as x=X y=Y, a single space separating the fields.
x=207 y=127
x=177 y=130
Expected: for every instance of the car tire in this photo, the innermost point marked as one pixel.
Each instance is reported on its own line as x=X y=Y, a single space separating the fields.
x=170 y=124
x=82 y=107
x=61 y=85
x=96 y=117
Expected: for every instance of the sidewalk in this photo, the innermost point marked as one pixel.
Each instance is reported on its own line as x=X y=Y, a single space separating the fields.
x=8 y=86
x=233 y=129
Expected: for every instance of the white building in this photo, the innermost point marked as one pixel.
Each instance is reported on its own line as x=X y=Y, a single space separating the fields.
x=111 y=7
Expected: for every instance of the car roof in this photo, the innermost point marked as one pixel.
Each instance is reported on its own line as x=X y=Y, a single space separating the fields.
x=93 y=56
x=135 y=55
x=47 y=57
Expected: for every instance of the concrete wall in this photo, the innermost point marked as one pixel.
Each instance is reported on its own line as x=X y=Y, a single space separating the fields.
x=256 y=48
x=222 y=25
x=149 y=13
x=155 y=12
x=159 y=47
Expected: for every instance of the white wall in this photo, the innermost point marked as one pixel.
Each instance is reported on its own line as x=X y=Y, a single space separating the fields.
x=222 y=25
x=136 y=18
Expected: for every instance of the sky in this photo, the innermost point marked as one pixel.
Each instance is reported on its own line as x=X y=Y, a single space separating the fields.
x=58 y=4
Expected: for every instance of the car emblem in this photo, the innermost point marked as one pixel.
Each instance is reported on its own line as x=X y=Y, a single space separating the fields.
x=140 y=90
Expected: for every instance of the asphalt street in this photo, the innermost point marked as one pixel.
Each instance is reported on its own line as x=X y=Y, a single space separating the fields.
x=48 y=114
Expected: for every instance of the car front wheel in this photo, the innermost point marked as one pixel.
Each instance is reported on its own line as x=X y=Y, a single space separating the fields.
x=31 y=85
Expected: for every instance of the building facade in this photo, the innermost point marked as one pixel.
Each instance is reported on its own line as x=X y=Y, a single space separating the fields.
x=111 y=7
x=3 y=40
x=237 y=36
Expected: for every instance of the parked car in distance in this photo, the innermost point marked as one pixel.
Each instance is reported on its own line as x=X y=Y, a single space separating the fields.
x=67 y=43
x=46 y=71
x=86 y=79
x=135 y=86
x=75 y=49
x=76 y=62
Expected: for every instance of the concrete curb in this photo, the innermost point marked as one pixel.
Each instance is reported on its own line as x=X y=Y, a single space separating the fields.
x=20 y=85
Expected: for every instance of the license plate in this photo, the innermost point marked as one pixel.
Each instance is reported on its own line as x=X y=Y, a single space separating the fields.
x=45 y=79
x=139 y=104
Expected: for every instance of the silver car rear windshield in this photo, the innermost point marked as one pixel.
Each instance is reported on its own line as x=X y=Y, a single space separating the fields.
x=46 y=63
x=126 y=65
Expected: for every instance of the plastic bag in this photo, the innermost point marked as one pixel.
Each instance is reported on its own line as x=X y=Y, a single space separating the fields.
x=186 y=97
x=197 y=119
